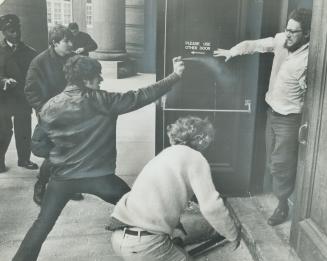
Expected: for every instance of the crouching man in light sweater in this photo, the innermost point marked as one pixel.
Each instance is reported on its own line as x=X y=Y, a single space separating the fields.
x=145 y=218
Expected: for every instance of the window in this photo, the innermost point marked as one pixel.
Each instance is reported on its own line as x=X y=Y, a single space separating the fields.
x=67 y=13
x=49 y=13
x=88 y=13
x=59 y=12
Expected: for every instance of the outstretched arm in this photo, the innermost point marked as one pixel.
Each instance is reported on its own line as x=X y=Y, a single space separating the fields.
x=247 y=47
x=125 y=102
x=223 y=53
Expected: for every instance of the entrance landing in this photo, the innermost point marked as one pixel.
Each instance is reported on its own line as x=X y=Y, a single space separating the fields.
x=265 y=243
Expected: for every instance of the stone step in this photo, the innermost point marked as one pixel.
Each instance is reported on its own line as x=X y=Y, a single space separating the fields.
x=265 y=243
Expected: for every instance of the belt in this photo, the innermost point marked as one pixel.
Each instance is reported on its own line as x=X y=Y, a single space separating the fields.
x=136 y=233
x=281 y=115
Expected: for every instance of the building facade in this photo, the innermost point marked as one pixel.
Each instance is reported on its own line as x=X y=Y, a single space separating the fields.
x=244 y=19
x=130 y=27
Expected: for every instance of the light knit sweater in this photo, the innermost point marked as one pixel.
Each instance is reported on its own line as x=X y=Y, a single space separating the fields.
x=163 y=188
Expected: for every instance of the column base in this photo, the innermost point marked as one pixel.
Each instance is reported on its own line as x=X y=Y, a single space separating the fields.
x=109 y=56
x=118 y=69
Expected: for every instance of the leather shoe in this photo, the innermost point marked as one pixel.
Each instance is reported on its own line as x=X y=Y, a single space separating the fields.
x=278 y=217
x=39 y=190
x=28 y=164
x=77 y=197
x=3 y=168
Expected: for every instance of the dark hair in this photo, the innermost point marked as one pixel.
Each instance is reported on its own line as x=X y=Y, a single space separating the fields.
x=59 y=32
x=187 y=129
x=303 y=16
x=79 y=68
x=73 y=26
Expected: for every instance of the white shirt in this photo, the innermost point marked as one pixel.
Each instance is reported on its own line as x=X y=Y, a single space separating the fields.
x=288 y=74
x=163 y=188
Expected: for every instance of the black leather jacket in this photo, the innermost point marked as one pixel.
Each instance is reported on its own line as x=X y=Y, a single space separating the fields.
x=81 y=123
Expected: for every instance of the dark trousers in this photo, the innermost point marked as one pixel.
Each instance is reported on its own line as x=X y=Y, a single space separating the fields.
x=282 y=151
x=22 y=130
x=109 y=188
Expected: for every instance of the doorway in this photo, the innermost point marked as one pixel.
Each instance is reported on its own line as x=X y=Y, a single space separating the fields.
x=225 y=93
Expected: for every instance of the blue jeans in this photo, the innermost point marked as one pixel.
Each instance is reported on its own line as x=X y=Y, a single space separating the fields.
x=147 y=247
x=282 y=151
x=109 y=188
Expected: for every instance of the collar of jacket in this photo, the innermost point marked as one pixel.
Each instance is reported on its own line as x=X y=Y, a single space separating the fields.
x=57 y=57
x=74 y=88
x=4 y=44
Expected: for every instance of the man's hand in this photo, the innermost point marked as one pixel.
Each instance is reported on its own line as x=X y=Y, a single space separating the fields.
x=236 y=243
x=178 y=241
x=222 y=53
x=178 y=65
x=9 y=83
x=79 y=50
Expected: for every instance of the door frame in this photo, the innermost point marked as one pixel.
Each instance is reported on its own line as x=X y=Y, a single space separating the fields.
x=302 y=229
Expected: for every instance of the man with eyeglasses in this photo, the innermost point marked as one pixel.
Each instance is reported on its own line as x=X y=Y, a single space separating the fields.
x=284 y=97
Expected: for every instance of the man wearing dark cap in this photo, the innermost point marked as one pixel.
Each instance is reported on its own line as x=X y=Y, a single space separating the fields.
x=82 y=42
x=15 y=58
x=45 y=79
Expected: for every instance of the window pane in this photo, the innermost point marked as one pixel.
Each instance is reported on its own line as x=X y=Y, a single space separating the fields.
x=67 y=13
x=49 y=12
x=57 y=13
x=89 y=14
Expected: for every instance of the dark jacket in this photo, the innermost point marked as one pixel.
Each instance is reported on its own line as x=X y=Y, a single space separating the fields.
x=84 y=40
x=45 y=78
x=82 y=126
x=14 y=64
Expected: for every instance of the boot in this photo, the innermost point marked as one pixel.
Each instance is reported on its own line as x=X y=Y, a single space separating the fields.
x=279 y=216
x=2 y=165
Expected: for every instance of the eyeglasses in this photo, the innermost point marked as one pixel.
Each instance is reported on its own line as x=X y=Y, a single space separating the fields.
x=289 y=31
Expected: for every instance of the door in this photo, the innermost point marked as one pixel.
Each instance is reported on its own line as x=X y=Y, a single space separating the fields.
x=309 y=226
x=226 y=93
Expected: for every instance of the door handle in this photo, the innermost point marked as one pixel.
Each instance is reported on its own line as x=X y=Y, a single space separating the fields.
x=301 y=137
x=247 y=104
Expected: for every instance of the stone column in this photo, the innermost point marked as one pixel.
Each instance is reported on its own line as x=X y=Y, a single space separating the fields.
x=33 y=19
x=109 y=29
